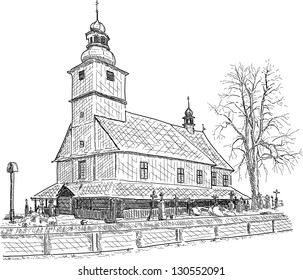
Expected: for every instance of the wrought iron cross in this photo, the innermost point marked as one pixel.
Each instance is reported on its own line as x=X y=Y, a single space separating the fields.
x=276 y=192
x=231 y=195
x=215 y=197
x=97 y=9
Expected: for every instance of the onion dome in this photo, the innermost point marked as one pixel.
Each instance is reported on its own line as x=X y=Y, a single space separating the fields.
x=189 y=112
x=97 y=26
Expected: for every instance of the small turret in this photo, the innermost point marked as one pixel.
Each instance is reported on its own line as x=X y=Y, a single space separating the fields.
x=189 y=119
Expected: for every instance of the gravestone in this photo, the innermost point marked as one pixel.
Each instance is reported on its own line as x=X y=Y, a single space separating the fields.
x=231 y=206
x=260 y=201
x=239 y=206
x=267 y=202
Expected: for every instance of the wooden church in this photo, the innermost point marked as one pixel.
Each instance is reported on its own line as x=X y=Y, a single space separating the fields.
x=113 y=159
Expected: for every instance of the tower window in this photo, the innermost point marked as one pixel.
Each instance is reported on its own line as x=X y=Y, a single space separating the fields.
x=81 y=115
x=82 y=169
x=180 y=175
x=81 y=144
x=103 y=41
x=110 y=76
x=214 y=178
x=225 y=180
x=97 y=39
x=230 y=180
x=199 y=177
x=81 y=75
x=143 y=170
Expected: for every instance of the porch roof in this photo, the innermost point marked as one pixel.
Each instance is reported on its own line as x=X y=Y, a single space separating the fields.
x=130 y=190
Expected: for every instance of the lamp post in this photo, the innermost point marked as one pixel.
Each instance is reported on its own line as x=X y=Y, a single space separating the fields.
x=12 y=167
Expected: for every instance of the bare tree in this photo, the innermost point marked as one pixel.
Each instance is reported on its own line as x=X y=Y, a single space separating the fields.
x=252 y=106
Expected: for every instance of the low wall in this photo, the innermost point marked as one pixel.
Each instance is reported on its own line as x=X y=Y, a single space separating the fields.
x=91 y=214
x=144 y=213
x=77 y=239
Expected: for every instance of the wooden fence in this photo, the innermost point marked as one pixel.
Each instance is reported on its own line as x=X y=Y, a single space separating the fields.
x=98 y=238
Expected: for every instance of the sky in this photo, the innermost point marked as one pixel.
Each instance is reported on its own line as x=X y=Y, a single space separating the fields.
x=172 y=49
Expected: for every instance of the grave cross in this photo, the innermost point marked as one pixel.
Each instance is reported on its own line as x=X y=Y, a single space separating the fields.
x=215 y=197
x=153 y=196
x=231 y=195
x=276 y=192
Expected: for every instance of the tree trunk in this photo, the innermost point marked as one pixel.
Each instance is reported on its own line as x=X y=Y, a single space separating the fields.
x=254 y=185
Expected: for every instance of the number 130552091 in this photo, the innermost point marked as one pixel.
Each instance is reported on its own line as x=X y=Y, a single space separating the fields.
x=193 y=270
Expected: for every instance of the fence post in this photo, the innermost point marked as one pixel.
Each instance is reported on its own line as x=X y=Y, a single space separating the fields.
x=273 y=225
x=95 y=241
x=216 y=230
x=46 y=244
x=139 y=239
x=179 y=236
x=248 y=228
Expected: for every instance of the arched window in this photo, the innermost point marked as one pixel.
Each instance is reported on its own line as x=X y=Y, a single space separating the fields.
x=103 y=41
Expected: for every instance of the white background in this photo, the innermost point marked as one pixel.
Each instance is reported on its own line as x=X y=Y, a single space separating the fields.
x=172 y=49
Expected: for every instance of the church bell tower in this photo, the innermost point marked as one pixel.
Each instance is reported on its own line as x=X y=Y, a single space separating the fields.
x=98 y=88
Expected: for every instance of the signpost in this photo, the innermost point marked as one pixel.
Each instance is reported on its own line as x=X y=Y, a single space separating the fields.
x=12 y=167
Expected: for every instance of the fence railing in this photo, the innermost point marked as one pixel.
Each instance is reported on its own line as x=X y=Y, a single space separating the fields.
x=91 y=214
x=97 y=239
x=144 y=213
x=127 y=214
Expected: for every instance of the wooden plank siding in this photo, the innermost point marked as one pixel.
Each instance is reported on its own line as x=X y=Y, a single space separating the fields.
x=161 y=170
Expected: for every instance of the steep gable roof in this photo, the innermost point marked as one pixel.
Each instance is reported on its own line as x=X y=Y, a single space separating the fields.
x=145 y=135
x=200 y=140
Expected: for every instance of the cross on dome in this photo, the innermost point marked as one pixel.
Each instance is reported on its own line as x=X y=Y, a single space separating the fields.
x=188 y=112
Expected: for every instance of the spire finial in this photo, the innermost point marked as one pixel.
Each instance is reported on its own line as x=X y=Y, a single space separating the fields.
x=188 y=101
x=97 y=9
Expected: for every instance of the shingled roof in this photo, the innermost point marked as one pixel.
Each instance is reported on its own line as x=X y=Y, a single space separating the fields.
x=200 y=140
x=132 y=190
x=140 y=134
x=150 y=136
